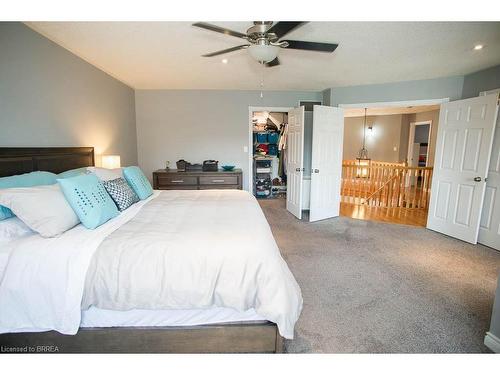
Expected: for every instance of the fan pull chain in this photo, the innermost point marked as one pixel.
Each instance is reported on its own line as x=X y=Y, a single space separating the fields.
x=262 y=81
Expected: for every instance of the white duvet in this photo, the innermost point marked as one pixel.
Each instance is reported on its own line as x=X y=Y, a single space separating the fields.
x=209 y=248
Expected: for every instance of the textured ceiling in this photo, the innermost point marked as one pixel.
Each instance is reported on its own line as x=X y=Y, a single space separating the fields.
x=166 y=55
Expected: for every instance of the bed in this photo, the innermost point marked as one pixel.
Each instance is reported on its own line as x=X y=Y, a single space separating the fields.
x=208 y=278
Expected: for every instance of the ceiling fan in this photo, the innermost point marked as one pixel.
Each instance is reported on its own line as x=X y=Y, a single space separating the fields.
x=264 y=40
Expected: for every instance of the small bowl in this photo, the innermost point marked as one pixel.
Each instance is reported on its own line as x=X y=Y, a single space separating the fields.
x=228 y=167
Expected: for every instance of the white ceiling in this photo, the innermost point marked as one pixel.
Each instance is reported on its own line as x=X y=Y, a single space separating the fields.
x=166 y=55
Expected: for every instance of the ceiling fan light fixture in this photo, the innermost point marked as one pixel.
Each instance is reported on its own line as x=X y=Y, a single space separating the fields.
x=263 y=53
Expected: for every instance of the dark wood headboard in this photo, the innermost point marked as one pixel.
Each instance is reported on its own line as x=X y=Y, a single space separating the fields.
x=18 y=160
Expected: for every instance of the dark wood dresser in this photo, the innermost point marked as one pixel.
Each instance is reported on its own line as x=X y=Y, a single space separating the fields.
x=173 y=179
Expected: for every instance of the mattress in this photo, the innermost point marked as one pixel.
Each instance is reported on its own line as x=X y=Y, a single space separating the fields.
x=100 y=318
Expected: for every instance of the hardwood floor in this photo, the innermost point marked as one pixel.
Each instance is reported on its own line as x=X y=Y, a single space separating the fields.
x=407 y=216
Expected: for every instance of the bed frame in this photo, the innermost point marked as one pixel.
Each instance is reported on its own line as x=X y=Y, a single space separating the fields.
x=237 y=337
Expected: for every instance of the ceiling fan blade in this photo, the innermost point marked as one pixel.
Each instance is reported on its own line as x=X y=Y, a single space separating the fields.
x=311 y=46
x=227 y=50
x=218 y=29
x=284 y=27
x=273 y=63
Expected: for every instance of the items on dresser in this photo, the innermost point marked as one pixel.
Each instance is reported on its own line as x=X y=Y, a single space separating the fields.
x=184 y=166
x=197 y=180
x=181 y=165
x=210 y=166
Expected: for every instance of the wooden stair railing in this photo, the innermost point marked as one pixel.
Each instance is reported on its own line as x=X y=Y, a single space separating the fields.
x=386 y=184
x=367 y=199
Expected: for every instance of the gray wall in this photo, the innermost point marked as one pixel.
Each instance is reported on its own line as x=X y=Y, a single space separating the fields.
x=50 y=97
x=484 y=80
x=450 y=87
x=380 y=145
x=201 y=124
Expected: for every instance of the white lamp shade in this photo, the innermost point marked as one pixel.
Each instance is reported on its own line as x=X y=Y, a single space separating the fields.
x=263 y=53
x=111 y=161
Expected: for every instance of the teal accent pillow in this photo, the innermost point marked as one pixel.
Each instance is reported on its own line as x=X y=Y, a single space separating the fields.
x=73 y=172
x=138 y=181
x=24 y=180
x=89 y=199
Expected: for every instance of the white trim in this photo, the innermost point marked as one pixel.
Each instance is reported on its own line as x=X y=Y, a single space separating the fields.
x=411 y=140
x=250 y=137
x=404 y=103
x=494 y=91
x=492 y=342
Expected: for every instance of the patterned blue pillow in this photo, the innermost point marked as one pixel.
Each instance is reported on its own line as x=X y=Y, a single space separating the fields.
x=89 y=199
x=138 y=181
x=121 y=192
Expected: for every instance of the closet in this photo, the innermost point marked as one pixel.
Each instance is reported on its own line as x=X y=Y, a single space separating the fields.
x=306 y=166
x=269 y=155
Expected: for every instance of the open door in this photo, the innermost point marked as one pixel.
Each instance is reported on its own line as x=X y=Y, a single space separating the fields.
x=489 y=228
x=327 y=142
x=464 y=143
x=295 y=161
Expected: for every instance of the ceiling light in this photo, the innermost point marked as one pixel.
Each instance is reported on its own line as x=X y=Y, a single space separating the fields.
x=478 y=47
x=263 y=52
x=225 y=61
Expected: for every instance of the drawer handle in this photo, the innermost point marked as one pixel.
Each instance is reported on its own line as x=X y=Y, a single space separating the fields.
x=215 y=181
x=180 y=181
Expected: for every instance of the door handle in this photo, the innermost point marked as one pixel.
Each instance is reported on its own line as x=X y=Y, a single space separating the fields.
x=477 y=179
x=316 y=170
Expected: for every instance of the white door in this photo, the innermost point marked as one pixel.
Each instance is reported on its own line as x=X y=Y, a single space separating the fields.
x=489 y=228
x=326 y=161
x=295 y=161
x=463 y=149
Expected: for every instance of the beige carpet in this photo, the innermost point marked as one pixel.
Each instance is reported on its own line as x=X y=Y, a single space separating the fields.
x=384 y=288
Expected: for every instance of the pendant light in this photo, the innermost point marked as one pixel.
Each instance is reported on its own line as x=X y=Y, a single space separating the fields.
x=363 y=161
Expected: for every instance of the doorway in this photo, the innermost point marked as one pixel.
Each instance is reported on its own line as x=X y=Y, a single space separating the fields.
x=391 y=183
x=267 y=177
x=419 y=143
x=323 y=161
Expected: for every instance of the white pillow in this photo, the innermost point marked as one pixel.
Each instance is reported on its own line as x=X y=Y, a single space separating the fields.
x=13 y=228
x=105 y=174
x=42 y=208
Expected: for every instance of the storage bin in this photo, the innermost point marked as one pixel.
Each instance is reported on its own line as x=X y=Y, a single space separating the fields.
x=262 y=137
x=263 y=163
x=273 y=150
x=263 y=170
x=273 y=138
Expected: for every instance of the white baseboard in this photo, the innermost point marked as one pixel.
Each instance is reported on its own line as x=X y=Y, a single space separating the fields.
x=492 y=342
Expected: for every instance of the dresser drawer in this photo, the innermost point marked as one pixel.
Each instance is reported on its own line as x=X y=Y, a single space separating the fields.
x=209 y=187
x=177 y=180
x=178 y=187
x=219 y=180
